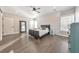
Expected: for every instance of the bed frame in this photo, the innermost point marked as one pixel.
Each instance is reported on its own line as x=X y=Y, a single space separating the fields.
x=35 y=34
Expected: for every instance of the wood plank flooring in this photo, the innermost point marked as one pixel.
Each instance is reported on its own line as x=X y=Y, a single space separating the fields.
x=48 y=44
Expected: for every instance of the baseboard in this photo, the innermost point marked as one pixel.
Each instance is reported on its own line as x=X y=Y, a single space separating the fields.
x=10 y=34
x=62 y=35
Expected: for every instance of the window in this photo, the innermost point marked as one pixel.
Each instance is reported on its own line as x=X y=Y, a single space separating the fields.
x=66 y=21
x=77 y=16
x=33 y=23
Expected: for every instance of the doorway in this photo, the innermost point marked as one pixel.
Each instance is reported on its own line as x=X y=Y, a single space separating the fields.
x=22 y=26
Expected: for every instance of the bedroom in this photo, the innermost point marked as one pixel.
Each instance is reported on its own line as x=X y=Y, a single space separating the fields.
x=40 y=29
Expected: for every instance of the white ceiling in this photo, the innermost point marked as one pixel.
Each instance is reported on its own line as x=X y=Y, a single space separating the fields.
x=27 y=10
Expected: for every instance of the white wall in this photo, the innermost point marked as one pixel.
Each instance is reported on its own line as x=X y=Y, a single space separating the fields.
x=0 y=26
x=10 y=24
x=53 y=20
x=9 y=19
x=77 y=14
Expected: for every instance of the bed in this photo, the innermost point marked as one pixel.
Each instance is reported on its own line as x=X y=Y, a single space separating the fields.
x=39 y=33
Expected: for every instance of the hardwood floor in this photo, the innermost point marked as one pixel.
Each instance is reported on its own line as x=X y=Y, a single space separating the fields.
x=48 y=44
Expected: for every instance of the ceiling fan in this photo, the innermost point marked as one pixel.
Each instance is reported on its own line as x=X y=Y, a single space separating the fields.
x=35 y=9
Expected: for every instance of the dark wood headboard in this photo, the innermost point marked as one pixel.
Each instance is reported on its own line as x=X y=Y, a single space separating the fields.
x=47 y=26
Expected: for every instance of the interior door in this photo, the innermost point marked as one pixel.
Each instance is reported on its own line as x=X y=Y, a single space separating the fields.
x=22 y=26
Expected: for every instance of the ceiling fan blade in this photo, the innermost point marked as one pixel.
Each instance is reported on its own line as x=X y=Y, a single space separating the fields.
x=38 y=11
x=38 y=8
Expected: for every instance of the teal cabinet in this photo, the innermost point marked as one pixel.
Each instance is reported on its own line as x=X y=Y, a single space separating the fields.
x=74 y=38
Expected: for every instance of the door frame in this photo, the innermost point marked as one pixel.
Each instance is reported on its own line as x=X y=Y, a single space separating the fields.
x=20 y=27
